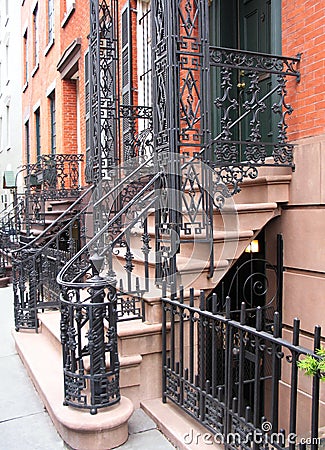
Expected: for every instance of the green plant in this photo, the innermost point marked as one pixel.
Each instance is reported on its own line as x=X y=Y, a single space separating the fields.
x=311 y=365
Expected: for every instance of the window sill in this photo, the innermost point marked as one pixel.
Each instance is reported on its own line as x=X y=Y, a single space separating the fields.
x=25 y=86
x=48 y=47
x=67 y=15
x=35 y=69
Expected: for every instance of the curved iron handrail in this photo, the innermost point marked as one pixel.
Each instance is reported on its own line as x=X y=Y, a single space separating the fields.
x=56 y=222
x=98 y=235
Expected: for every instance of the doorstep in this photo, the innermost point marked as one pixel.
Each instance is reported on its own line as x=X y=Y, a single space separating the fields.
x=183 y=432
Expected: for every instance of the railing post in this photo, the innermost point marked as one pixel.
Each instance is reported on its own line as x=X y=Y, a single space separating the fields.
x=89 y=330
x=98 y=312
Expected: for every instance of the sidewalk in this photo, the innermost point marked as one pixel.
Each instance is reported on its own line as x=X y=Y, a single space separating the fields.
x=24 y=423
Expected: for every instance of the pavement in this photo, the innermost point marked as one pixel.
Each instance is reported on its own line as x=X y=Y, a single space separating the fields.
x=24 y=422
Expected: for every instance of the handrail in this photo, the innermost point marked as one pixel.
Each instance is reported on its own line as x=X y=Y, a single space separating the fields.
x=138 y=168
x=252 y=107
x=134 y=200
x=56 y=221
x=76 y=202
x=11 y=204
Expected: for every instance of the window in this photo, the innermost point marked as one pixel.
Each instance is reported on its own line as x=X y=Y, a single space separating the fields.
x=27 y=142
x=53 y=123
x=87 y=101
x=69 y=4
x=7 y=127
x=36 y=36
x=50 y=20
x=7 y=63
x=144 y=53
x=38 y=133
x=25 y=56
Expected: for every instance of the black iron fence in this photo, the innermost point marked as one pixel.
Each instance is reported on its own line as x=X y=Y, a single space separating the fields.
x=36 y=264
x=240 y=382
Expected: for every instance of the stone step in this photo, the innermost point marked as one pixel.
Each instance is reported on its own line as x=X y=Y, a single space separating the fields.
x=139 y=352
x=183 y=432
x=79 y=429
x=272 y=185
x=232 y=217
x=60 y=205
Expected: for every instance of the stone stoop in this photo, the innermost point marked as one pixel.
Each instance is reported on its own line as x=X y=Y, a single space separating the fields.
x=183 y=432
x=140 y=349
x=139 y=346
x=40 y=353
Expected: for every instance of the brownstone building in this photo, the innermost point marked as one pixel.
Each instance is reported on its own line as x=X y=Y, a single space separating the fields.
x=169 y=236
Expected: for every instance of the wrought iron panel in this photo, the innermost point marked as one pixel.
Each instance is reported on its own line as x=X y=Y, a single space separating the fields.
x=84 y=335
x=239 y=406
x=103 y=60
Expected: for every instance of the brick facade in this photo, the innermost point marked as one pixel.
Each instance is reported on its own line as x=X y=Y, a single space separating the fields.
x=44 y=78
x=303 y=31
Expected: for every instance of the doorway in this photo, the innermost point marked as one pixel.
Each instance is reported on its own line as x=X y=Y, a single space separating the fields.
x=251 y=26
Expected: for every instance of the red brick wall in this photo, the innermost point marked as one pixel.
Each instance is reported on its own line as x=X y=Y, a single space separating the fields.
x=69 y=114
x=47 y=75
x=303 y=31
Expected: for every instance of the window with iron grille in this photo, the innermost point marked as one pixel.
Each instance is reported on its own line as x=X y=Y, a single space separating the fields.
x=50 y=20
x=38 y=133
x=52 y=122
x=36 y=36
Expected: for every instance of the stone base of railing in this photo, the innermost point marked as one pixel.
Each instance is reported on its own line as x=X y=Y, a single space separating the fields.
x=79 y=429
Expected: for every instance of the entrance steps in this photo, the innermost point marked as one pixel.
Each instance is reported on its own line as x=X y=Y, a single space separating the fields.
x=140 y=381
x=42 y=358
x=140 y=342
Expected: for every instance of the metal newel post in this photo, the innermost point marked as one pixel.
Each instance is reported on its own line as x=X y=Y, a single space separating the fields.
x=104 y=382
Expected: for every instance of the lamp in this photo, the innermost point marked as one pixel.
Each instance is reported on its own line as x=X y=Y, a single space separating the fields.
x=253 y=247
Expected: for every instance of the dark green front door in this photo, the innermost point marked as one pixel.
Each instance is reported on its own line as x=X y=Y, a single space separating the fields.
x=255 y=26
x=255 y=36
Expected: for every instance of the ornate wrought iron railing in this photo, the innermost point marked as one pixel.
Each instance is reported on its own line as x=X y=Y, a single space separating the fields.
x=53 y=177
x=251 y=112
x=36 y=264
x=227 y=374
x=10 y=226
x=101 y=285
x=102 y=282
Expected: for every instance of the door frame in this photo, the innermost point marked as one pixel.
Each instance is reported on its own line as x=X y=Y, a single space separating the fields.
x=276 y=24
